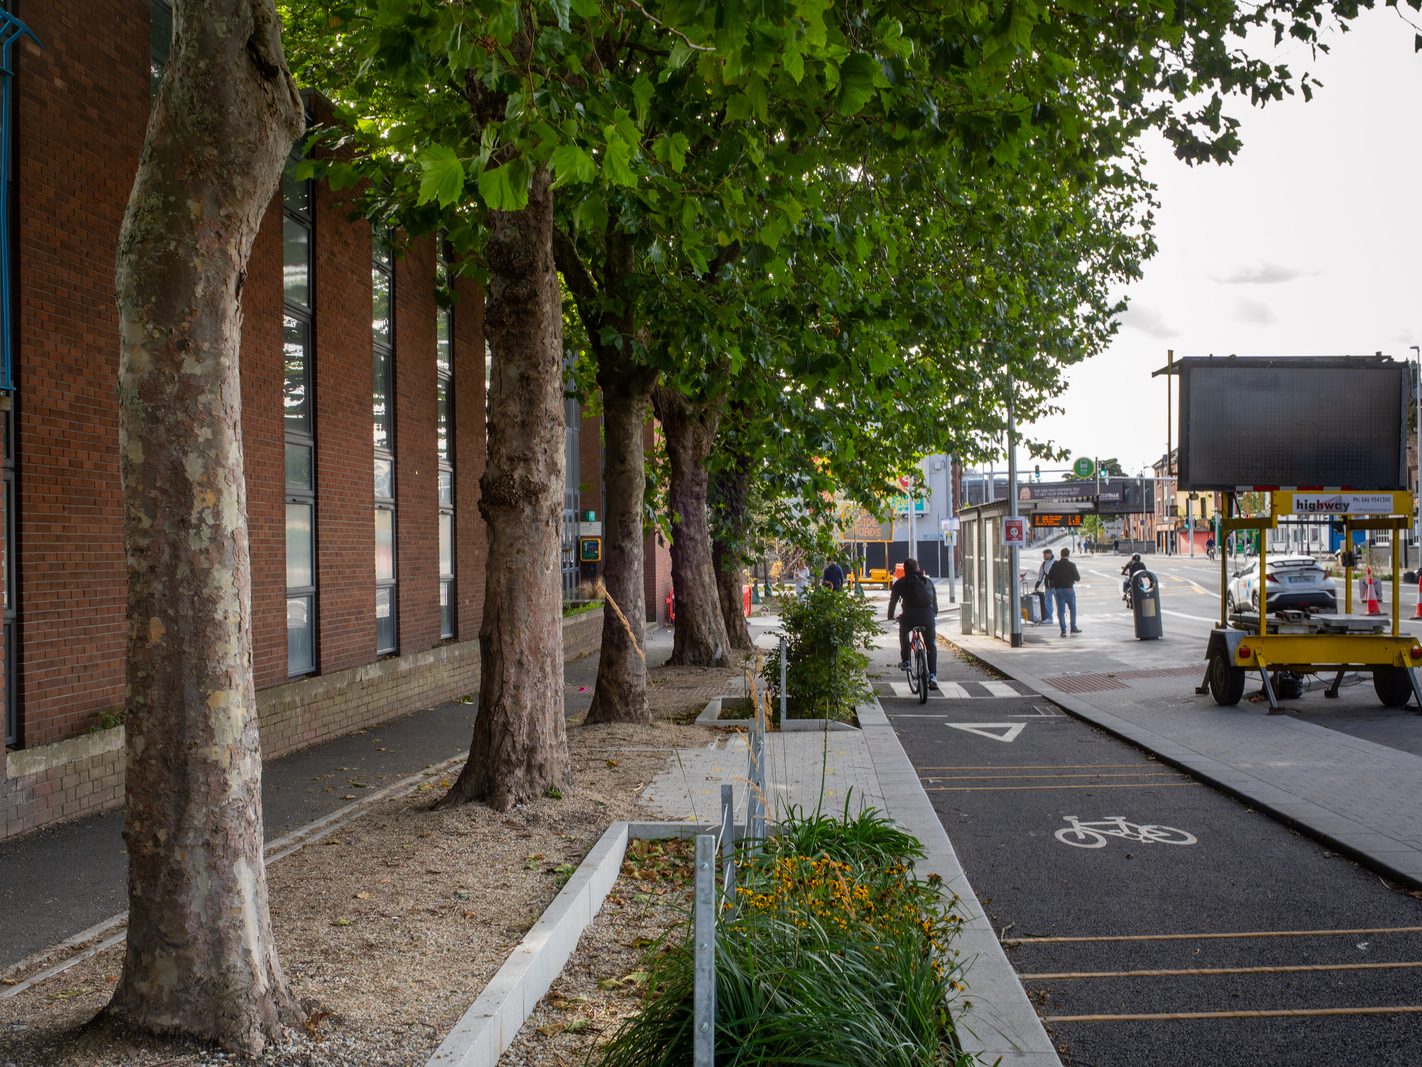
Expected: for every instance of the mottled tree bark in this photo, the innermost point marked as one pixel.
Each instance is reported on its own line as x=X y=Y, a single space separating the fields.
x=200 y=959
x=520 y=745
x=621 y=692
x=730 y=524
x=690 y=428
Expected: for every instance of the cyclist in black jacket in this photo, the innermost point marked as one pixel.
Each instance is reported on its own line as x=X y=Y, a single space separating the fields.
x=920 y=600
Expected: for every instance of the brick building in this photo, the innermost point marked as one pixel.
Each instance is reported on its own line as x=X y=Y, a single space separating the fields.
x=363 y=423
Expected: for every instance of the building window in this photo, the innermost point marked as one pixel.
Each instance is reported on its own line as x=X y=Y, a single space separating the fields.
x=299 y=419
x=160 y=41
x=382 y=333
x=444 y=444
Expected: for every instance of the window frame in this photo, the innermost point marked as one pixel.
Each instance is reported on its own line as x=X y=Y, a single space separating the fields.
x=304 y=316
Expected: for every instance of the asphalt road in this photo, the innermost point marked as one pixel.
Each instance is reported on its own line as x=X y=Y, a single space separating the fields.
x=1147 y=952
x=1190 y=608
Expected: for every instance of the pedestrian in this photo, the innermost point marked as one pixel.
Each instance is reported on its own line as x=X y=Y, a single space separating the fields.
x=1047 y=562
x=1061 y=580
x=1210 y=548
x=1116 y=545
x=802 y=578
x=920 y=600
x=833 y=576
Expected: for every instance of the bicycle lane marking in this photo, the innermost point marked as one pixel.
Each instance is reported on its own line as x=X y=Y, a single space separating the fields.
x=1138 y=996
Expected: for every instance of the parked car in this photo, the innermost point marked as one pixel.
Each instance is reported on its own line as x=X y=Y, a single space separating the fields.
x=1297 y=582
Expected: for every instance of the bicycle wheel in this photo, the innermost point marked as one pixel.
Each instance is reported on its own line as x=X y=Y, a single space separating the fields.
x=1075 y=835
x=920 y=670
x=1166 y=835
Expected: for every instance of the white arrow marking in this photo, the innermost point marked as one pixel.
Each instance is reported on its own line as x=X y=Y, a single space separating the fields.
x=1010 y=730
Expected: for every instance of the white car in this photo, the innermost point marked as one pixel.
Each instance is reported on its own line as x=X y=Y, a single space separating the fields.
x=1296 y=582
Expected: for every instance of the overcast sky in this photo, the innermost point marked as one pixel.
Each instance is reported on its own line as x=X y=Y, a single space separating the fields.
x=1309 y=244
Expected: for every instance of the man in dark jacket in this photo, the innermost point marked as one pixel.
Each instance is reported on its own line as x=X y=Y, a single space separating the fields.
x=1061 y=580
x=920 y=600
x=833 y=576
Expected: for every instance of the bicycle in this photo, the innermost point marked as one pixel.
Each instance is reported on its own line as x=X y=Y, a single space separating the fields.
x=917 y=669
x=1094 y=834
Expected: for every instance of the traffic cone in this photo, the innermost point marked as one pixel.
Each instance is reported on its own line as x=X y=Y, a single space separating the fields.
x=1372 y=593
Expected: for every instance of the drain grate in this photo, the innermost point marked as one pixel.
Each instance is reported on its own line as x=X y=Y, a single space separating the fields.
x=1102 y=681
x=1084 y=683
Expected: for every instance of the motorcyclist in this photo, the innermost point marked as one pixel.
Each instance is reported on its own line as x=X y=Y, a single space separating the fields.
x=1129 y=571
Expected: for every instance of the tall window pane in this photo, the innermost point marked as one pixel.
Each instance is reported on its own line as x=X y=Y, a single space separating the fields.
x=296 y=262
x=380 y=400
x=296 y=393
x=300 y=539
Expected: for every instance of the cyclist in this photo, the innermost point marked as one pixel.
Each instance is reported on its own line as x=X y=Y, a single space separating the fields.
x=920 y=599
x=1129 y=570
x=1210 y=547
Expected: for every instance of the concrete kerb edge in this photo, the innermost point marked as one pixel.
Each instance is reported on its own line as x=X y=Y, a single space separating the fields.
x=491 y=1023
x=711 y=716
x=999 y=1025
x=1296 y=812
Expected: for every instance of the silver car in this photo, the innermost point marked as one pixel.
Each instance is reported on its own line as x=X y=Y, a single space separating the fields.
x=1296 y=582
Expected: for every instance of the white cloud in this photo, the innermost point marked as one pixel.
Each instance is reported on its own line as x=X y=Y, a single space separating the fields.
x=1255 y=312
x=1264 y=274
x=1148 y=320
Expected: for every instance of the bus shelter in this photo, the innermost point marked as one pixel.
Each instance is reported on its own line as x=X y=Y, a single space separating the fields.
x=988 y=600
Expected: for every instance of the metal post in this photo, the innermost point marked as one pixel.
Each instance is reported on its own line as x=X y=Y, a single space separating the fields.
x=1417 y=351
x=953 y=548
x=912 y=521
x=1170 y=497
x=728 y=839
x=704 y=965
x=1014 y=602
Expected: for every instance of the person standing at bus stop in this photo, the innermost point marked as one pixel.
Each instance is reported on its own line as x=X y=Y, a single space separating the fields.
x=1046 y=566
x=1061 y=580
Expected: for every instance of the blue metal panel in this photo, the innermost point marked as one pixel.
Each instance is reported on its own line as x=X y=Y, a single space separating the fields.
x=11 y=30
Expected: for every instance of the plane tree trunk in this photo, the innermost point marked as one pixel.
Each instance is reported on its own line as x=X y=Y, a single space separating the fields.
x=605 y=304
x=730 y=527
x=689 y=427
x=200 y=959
x=520 y=745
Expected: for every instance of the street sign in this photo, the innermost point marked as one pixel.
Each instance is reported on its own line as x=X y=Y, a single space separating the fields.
x=1056 y=518
x=590 y=549
x=1014 y=531
x=1084 y=467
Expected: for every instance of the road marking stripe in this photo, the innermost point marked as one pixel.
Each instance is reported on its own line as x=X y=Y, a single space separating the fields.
x=1214 y=935
x=1001 y=689
x=1183 y=615
x=1027 y=788
x=1030 y=766
x=1291 y=969
x=1003 y=777
x=1272 y=1013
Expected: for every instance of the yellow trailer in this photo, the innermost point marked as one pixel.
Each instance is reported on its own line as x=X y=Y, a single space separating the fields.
x=1315 y=643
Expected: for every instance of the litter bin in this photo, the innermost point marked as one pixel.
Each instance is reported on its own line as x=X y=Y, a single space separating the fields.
x=1145 y=600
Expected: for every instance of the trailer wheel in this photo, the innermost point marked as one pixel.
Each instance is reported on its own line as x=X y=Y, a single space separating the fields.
x=1392 y=685
x=1226 y=680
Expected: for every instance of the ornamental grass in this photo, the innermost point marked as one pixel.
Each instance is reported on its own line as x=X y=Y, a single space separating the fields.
x=830 y=951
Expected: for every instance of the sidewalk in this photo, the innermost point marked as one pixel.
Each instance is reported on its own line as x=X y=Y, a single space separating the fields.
x=1361 y=798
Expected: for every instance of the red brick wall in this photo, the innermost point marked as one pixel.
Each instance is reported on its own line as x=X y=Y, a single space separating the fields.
x=264 y=449
x=416 y=458
x=345 y=453
x=470 y=537
x=81 y=108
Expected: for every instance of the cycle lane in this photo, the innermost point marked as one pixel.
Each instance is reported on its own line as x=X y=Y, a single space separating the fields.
x=1115 y=943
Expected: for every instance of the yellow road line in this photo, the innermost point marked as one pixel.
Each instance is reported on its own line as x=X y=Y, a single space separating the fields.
x=1028 y=788
x=1272 y=1013
x=1213 y=936
x=1160 y=773
x=1038 y=766
x=1174 y=973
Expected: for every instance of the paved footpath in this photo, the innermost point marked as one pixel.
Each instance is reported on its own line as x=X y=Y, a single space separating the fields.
x=1360 y=797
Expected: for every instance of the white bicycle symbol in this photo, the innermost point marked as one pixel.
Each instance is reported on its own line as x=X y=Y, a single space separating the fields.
x=1094 y=834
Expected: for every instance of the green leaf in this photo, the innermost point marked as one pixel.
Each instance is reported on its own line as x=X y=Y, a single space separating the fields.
x=506 y=188
x=560 y=11
x=616 y=165
x=441 y=175
x=571 y=164
x=642 y=96
x=585 y=9
x=794 y=61
x=856 y=82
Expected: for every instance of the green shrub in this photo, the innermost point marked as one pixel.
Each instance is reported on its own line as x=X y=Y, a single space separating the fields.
x=838 y=956
x=827 y=636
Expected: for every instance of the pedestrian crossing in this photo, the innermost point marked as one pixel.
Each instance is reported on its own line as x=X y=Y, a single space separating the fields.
x=988 y=690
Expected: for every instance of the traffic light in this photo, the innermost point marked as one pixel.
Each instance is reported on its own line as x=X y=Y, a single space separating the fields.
x=1037 y=470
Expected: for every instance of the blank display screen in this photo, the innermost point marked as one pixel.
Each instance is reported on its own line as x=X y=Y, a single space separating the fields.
x=1293 y=422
